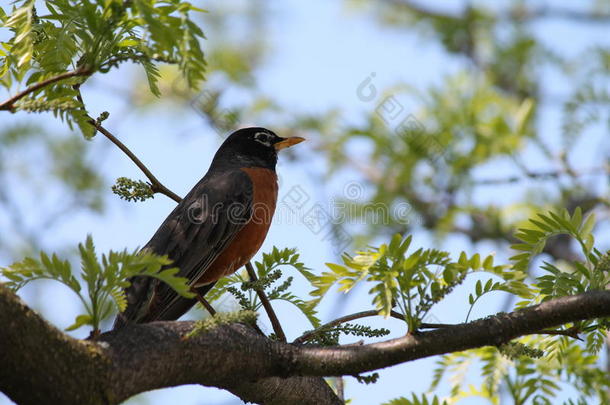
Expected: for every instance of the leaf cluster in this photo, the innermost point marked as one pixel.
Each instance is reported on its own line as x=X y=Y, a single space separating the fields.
x=270 y=273
x=132 y=190
x=565 y=278
x=409 y=283
x=92 y=36
x=329 y=336
x=105 y=278
x=367 y=379
x=535 y=368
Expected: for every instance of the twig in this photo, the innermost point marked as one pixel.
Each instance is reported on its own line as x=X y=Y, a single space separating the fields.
x=310 y=334
x=204 y=302
x=155 y=184
x=9 y=105
x=518 y=13
x=397 y=315
x=547 y=12
x=275 y=322
x=542 y=176
x=358 y=315
x=570 y=332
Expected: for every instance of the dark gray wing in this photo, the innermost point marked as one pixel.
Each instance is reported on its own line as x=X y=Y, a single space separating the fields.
x=193 y=235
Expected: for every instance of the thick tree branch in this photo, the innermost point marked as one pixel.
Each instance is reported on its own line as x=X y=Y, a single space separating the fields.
x=233 y=357
x=493 y=330
x=9 y=105
x=37 y=359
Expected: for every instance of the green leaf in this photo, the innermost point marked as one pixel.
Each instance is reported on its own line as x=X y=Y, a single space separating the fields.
x=588 y=225
x=81 y=320
x=475 y=261
x=337 y=268
x=21 y=21
x=576 y=219
x=152 y=75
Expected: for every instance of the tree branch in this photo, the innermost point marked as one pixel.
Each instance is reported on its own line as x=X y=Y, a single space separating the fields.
x=9 y=105
x=494 y=330
x=155 y=184
x=37 y=358
x=275 y=322
x=235 y=357
x=570 y=332
x=358 y=315
x=542 y=176
x=559 y=13
x=518 y=13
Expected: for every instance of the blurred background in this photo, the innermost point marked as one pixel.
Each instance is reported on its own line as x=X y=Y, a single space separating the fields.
x=457 y=120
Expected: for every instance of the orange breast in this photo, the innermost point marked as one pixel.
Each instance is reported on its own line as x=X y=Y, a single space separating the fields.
x=251 y=237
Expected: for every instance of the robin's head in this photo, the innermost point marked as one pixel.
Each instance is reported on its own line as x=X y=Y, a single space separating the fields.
x=252 y=147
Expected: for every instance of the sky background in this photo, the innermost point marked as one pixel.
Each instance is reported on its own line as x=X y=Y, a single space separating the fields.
x=320 y=52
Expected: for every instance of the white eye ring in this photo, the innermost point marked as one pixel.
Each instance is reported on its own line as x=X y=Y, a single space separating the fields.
x=263 y=138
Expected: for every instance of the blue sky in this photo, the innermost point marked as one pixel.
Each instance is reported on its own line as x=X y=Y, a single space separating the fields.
x=321 y=51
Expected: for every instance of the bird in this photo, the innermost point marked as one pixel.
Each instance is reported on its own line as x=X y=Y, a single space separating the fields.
x=215 y=229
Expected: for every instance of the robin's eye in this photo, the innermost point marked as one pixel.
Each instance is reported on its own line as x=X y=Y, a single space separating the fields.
x=263 y=138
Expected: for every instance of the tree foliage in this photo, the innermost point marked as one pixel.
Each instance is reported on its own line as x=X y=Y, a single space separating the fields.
x=105 y=278
x=87 y=37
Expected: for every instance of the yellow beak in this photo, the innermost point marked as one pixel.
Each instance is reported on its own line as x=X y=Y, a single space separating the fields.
x=288 y=142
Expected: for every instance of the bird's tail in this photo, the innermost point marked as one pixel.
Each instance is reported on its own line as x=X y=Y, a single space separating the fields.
x=138 y=295
x=139 y=299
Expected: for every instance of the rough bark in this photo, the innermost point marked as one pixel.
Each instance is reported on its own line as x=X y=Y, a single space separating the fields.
x=40 y=364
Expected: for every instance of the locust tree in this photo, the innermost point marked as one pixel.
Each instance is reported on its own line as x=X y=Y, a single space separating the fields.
x=557 y=312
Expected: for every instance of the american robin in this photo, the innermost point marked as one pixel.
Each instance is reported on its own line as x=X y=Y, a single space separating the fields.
x=216 y=229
